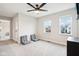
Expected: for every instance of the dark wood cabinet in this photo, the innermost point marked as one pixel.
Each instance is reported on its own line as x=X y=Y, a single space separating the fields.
x=72 y=48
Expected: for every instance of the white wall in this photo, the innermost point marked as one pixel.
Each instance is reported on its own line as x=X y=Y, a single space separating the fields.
x=25 y=25
x=54 y=36
x=15 y=28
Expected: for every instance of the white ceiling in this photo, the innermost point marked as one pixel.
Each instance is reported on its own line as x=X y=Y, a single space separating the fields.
x=10 y=9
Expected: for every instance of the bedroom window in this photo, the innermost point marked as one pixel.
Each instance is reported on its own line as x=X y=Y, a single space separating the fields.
x=47 y=26
x=65 y=25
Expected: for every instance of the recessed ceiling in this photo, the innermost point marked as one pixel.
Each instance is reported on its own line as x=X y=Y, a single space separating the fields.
x=10 y=9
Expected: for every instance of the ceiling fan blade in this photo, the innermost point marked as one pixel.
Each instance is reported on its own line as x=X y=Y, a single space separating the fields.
x=42 y=5
x=31 y=5
x=43 y=10
x=30 y=10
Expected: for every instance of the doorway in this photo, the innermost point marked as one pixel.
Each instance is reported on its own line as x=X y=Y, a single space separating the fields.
x=4 y=30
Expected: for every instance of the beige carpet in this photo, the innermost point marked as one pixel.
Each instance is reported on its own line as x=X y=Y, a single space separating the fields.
x=39 y=48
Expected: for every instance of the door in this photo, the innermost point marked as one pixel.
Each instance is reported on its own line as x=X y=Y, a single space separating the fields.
x=4 y=29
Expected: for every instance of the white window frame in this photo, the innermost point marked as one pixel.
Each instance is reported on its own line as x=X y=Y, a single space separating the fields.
x=45 y=25
x=60 y=25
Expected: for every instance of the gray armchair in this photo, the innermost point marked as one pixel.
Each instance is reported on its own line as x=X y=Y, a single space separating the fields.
x=23 y=40
x=33 y=37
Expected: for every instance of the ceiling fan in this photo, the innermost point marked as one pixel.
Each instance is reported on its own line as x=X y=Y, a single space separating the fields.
x=36 y=7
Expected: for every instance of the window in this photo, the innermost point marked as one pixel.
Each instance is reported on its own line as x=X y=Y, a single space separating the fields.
x=47 y=26
x=65 y=25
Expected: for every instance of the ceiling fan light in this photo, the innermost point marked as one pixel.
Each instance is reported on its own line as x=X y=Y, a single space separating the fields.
x=37 y=12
